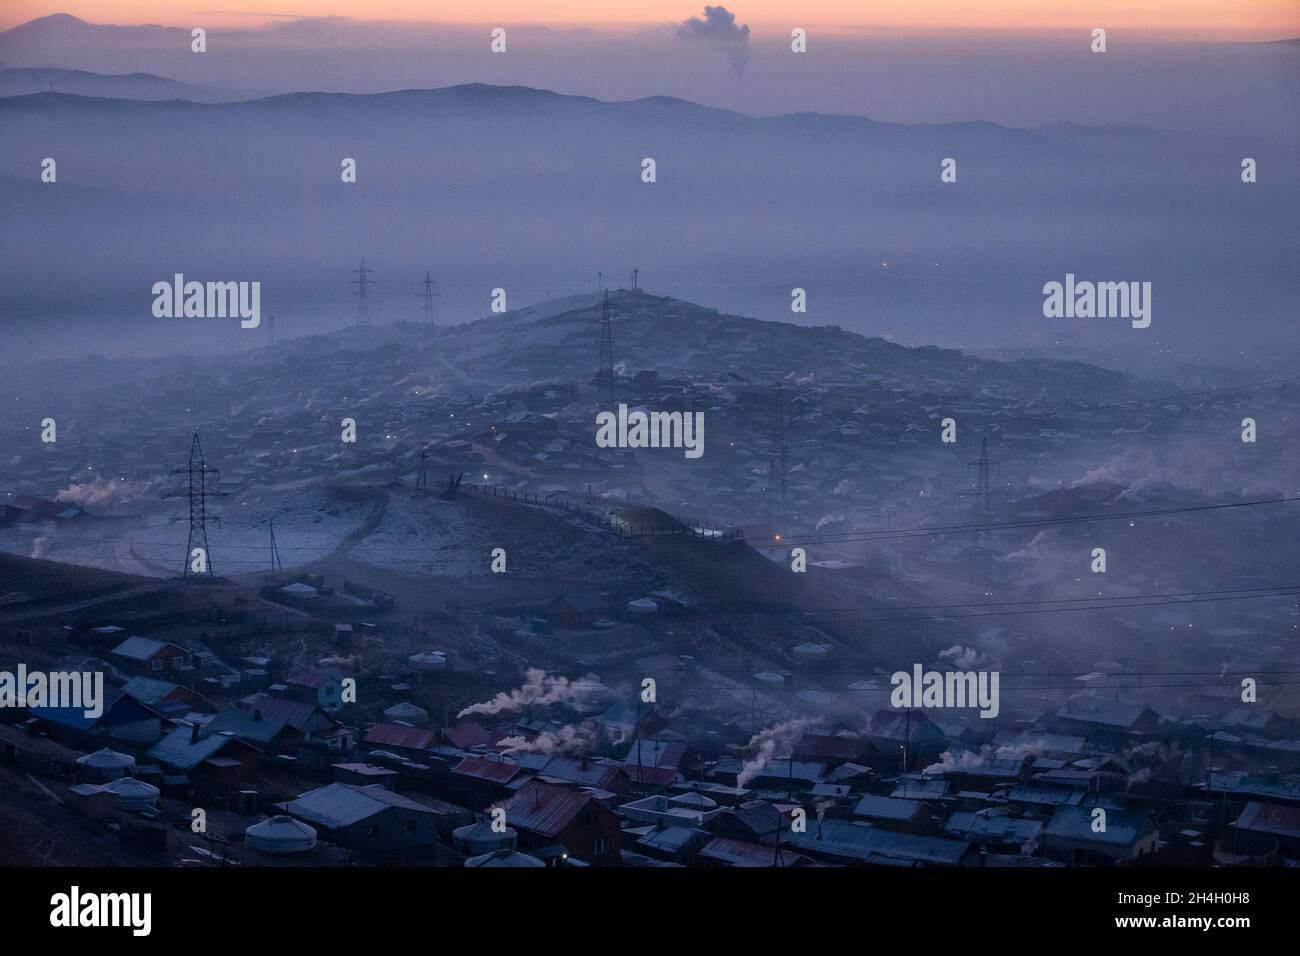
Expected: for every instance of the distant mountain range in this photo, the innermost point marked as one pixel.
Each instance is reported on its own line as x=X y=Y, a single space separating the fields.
x=126 y=86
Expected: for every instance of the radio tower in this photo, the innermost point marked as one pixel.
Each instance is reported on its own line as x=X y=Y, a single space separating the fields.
x=362 y=283
x=777 y=469
x=426 y=308
x=198 y=474
x=605 y=371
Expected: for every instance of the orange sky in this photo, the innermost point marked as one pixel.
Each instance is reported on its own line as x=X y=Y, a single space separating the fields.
x=1199 y=19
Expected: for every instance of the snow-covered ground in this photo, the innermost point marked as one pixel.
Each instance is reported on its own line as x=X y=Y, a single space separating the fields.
x=426 y=534
x=309 y=525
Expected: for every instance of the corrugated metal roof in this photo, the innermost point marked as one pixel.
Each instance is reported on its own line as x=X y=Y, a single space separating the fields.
x=178 y=749
x=148 y=690
x=139 y=648
x=1270 y=818
x=862 y=841
x=740 y=853
x=1123 y=827
x=589 y=773
x=395 y=735
x=342 y=804
x=543 y=808
x=484 y=768
x=887 y=808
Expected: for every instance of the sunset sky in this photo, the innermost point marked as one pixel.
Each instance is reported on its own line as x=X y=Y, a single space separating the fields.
x=1183 y=19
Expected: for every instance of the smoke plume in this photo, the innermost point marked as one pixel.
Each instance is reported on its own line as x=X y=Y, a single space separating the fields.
x=538 y=688
x=768 y=741
x=718 y=31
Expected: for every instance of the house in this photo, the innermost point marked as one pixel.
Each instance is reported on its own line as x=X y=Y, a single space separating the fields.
x=598 y=774
x=324 y=688
x=1072 y=835
x=684 y=809
x=1272 y=820
x=281 y=726
x=545 y=814
x=1091 y=716
x=843 y=841
x=370 y=820
x=147 y=656
x=122 y=718
x=25 y=509
x=469 y=734
x=754 y=821
x=905 y=734
x=892 y=813
x=578 y=609
x=219 y=763
x=488 y=778
x=994 y=834
x=986 y=773
x=401 y=739
x=670 y=842
x=654 y=762
x=721 y=851
x=168 y=699
x=834 y=750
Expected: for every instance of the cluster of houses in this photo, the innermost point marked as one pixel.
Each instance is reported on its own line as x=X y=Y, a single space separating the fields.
x=1096 y=781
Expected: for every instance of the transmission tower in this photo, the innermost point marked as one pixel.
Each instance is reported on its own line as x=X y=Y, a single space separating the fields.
x=426 y=296
x=984 y=511
x=422 y=479
x=362 y=283
x=198 y=476
x=776 y=471
x=605 y=371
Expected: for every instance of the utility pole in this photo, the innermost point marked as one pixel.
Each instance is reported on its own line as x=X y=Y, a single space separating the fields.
x=275 y=551
x=196 y=491
x=362 y=283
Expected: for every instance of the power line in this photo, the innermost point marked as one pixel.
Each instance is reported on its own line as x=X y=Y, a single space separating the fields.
x=923 y=530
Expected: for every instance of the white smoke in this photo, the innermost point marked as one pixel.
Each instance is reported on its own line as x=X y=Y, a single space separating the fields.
x=951 y=761
x=572 y=740
x=103 y=492
x=768 y=741
x=965 y=658
x=538 y=688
